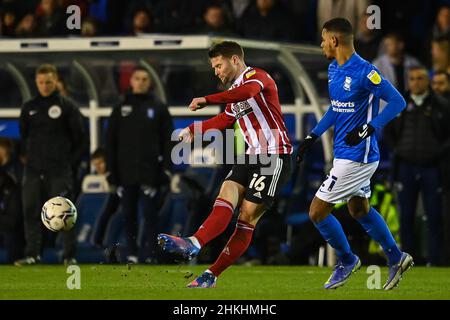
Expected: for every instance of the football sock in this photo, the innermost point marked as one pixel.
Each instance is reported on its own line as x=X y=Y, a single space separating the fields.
x=216 y=223
x=331 y=230
x=236 y=246
x=377 y=229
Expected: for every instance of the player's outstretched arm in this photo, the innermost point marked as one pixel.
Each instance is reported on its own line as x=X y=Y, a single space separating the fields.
x=222 y=121
x=324 y=124
x=241 y=93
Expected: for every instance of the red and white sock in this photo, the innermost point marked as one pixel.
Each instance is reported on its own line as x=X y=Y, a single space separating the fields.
x=235 y=248
x=216 y=223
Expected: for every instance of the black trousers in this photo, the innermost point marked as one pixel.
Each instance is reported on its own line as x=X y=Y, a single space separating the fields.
x=36 y=189
x=130 y=203
x=413 y=180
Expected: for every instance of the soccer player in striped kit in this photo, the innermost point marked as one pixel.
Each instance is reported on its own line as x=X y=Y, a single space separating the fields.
x=251 y=101
x=356 y=88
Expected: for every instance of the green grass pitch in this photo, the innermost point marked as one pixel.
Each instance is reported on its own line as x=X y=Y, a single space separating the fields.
x=238 y=282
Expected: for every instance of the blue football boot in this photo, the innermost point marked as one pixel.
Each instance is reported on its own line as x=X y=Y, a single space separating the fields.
x=342 y=273
x=181 y=248
x=396 y=271
x=205 y=280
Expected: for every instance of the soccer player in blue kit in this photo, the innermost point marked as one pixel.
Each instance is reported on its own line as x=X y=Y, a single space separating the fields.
x=355 y=88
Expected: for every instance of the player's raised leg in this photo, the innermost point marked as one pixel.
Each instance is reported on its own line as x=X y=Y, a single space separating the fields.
x=376 y=227
x=249 y=215
x=331 y=230
x=187 y=248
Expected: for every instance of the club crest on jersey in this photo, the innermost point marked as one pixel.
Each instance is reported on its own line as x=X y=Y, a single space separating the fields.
x=374 y=77
x=250 y=73
x=125 y=110
x=54 y=112
x=347 y=83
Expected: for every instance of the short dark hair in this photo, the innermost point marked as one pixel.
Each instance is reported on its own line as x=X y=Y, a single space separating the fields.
x=98 y=153
x=140 y=68
x=226 y=49
x=419 y=68
x=340 y=25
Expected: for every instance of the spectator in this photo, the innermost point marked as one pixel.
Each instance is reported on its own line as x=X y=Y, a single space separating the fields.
x=267 y=20
x=8 y=24
x=26 y=27
x=141 y=22
x=216 y=22
x=99 y=179
x=367 y=41
x=176 y=16
x=61 y=86
x=50 y=19
x=53 y=138
x=138 y=158
x=348 y=9
x=394 y=64
x=440 y=54
x=441 y=84
x=11 y=220
x=238 y=7
x=442 y=25
x=419 y=138
x=89 y=27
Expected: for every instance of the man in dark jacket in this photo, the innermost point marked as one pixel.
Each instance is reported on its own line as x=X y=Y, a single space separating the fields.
x=11 y=218
x=53 y=139
x=138 y=158
x=419 y=139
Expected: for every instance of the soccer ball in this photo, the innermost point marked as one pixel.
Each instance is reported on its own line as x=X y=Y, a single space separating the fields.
x=59 y=214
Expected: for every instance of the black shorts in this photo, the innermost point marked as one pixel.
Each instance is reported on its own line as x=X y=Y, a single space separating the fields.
x=262 y=176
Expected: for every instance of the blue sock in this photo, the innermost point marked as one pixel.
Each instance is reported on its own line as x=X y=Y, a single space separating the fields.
x=377 y=229
x=332 y=231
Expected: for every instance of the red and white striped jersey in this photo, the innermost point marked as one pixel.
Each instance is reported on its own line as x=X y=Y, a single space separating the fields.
x=259 y=117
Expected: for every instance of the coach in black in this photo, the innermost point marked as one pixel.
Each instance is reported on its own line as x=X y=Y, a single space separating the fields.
x=420 y=139
x=138 y=158
x=53 y=139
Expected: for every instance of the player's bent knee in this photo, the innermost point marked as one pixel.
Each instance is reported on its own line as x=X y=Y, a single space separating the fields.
x=251 y=213
x=315 y=216
x=358 y=214
x=232 y=192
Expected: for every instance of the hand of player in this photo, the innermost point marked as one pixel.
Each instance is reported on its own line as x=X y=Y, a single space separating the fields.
x=197 y=103
x=358 y=134
x=304 y=146
x=185 y=135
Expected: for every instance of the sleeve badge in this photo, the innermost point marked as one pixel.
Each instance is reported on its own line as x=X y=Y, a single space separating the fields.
x=250 y=73
x=374 y=77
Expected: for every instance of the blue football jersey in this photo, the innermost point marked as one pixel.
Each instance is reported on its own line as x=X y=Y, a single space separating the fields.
x=355 y=89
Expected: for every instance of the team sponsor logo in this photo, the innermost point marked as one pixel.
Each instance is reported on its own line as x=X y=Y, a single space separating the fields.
x=241 y=109
x=339 y=106
x=125 y=110
x=374 y=77
x=250 y=74
x=347 y=83
x=54 y=112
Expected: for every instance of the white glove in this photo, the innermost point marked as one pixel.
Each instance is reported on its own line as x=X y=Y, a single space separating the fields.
x=185 y=135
